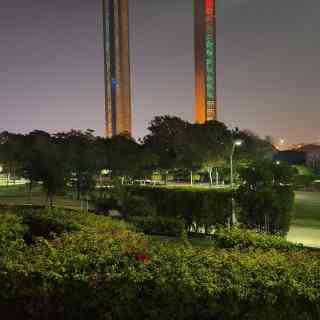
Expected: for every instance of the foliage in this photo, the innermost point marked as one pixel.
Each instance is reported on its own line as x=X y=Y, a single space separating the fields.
x=11 y=227
x=199 y=208
x=158 y=225
x=240 y=238
x=124 y=200
x=107 y=271
x=253 y=148
x=266 y=198
x=303 y=181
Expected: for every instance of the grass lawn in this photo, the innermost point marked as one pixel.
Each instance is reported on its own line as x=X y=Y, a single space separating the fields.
x=305 y=226
x=19 y=195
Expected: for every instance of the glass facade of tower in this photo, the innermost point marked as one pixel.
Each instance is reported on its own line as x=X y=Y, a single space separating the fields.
x=117 y=67
x=205 y=49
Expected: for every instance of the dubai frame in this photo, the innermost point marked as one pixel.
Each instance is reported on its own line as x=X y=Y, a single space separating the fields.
x=117 y=64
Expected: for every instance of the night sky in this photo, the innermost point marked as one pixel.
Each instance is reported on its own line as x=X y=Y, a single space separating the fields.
x=51 y=65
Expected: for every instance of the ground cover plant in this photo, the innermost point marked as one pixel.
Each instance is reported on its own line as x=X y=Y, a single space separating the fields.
x=104 y=269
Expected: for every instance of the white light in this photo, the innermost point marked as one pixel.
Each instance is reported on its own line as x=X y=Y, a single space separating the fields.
x=238 y=143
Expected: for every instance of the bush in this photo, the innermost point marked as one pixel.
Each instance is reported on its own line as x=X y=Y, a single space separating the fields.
x=11 y=228
x=203 y=207
x=265 y=197
x=122 y=199
x=237 y=238
x=303 y=181
x=157 y=225
x=105 y=270
x=47 y=223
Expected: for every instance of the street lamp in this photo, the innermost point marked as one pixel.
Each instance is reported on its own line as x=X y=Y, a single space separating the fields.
x=236 y=143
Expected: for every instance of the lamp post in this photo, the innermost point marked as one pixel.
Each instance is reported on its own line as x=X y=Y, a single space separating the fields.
x=236 y=143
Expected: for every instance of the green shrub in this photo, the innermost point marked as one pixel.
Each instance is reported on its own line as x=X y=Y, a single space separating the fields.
x=238 y=238
x=158 y=225
x=11 y=227
x=303 y=181
x=203 y=207
x=45 y=223
x=105 y=270
x=265 y=198
x=122 y=199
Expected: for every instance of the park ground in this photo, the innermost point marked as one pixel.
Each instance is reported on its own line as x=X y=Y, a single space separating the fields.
x=305 y=227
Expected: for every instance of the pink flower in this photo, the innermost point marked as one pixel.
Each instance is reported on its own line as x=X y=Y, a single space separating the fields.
x=140 y=256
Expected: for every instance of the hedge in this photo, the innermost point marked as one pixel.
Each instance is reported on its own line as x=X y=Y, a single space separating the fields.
x=204 y=207
x=240 y=238
x=269 y=210
x=157 y=225
x=105 y=270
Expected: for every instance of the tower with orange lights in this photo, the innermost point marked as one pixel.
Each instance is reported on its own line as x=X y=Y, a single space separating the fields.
x=205 y=61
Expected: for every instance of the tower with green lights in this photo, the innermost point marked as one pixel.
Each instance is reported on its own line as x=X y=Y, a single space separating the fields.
x=117 y=67
x=205 y=61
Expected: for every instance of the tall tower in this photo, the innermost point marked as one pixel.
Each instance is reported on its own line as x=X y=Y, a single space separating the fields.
x=117 y=67
x=205 y=60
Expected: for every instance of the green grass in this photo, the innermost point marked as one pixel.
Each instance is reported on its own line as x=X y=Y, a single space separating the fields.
x=307 y=209
x=305 y=227
x=19 y=195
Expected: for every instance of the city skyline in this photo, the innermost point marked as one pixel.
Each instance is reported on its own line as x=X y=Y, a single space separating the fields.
x=117 y=69
x=51 y=56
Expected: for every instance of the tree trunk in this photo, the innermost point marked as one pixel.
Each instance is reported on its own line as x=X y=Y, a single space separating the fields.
x=78 y=188
x=217 y=177
x=191 y=177
x=210 y=176
x=30 y=190
x=14 y=175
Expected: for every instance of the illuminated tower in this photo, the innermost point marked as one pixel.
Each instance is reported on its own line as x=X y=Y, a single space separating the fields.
x=117 y=67
x=205 y=60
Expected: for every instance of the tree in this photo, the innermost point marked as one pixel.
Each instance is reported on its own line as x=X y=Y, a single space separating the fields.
x=213 y=140
x=266 y=197
x=11 y=153
x=164 y=141
x=43 y=162
x=81 y=157
x=253 y=147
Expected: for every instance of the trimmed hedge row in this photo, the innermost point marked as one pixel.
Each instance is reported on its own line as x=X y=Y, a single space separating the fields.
x=157 y=225
x=105 y=270
x=239 y=238
x=204 y=207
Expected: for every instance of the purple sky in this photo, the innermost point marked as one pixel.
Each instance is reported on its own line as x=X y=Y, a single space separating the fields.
x=51 y=65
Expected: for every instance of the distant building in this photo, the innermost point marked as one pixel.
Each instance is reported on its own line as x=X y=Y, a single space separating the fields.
x=312 y=152
x=205 y=61
x=301 y=154
x=117 y=64
x=117 y=67
x=292 y=157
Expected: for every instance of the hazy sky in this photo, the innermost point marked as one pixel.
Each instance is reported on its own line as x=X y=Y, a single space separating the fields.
x=51 y=64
